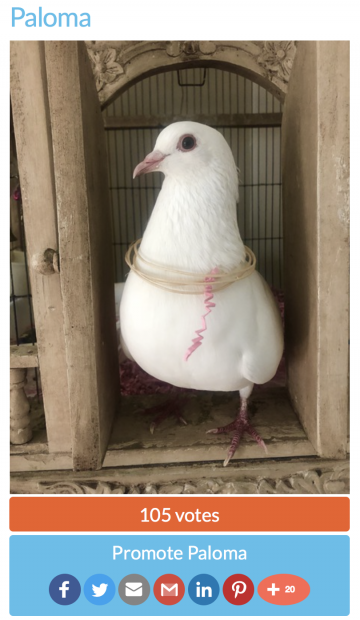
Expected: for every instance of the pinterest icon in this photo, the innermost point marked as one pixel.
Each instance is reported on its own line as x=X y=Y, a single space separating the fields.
x=238 y=589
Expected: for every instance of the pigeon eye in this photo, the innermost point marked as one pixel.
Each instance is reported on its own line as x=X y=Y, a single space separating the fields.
x=187 y=143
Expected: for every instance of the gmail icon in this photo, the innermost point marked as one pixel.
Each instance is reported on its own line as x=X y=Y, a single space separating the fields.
x=169 y=589
x=133 y=589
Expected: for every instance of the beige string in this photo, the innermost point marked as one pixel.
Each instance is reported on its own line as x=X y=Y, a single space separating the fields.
x=194 y=283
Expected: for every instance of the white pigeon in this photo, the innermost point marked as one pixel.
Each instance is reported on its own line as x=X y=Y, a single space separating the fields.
x=99 y=591
x=193 y=228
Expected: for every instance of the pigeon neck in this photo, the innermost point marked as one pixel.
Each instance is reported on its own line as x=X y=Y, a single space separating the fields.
x=194 y=227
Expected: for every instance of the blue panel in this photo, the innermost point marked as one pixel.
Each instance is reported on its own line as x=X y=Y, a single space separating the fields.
x=35 y=561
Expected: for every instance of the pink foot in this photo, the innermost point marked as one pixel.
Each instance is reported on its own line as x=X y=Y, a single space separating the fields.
x=241 y=426
x=171 y=407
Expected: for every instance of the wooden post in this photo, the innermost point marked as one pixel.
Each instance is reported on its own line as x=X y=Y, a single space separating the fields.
x=30 y=108
x=86 y=267
x=316 y=241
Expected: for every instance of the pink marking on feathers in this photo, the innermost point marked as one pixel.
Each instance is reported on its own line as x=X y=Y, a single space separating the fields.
x=209 y=305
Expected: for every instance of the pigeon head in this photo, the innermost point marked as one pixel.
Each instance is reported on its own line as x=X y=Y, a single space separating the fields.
x=186 y=150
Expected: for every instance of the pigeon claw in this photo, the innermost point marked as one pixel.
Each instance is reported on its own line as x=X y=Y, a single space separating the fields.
x=222 y=429
x=263 y=445
x=240 y=428
x=226 y=462
x=167 y=409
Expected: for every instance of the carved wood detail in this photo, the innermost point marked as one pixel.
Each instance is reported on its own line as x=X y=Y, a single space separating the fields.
x=46 y=263
x=316 y=479
x=116 y=64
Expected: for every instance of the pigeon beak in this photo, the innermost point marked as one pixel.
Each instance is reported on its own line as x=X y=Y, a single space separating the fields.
x=150 y=163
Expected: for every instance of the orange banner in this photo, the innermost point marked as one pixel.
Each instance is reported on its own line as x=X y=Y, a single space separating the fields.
x=179 y=514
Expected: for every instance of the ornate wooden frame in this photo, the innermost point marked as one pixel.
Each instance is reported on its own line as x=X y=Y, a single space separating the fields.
x=118 y=64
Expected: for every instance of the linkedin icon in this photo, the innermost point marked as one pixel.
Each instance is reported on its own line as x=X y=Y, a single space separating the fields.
x=203 y=589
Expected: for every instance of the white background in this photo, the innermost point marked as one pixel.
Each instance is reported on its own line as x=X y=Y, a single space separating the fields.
x=189 y=20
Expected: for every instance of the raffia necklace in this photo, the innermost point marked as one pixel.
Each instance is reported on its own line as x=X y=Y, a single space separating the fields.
x=185 y=282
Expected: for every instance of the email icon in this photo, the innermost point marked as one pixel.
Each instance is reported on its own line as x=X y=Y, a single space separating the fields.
x=169 y=589
x=133 y=589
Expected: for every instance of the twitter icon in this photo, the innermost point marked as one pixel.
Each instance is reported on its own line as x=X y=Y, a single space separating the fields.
x=99 y=589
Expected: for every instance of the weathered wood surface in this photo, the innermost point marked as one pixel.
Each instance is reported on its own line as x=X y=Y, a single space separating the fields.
x=86 y=269
x=34 y=153
x=218 y=120
x=294 y=476
x=132 y=444
x=24 y=356
x=316 y=241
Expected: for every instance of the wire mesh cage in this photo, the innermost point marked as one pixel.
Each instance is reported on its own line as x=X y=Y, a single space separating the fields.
x=22 y=327
x=249 y=118
x=22 y=323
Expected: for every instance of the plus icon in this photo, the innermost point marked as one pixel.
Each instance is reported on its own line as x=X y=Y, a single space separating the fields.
x=273 y=589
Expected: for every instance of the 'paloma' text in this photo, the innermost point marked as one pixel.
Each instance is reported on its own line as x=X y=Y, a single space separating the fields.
x=40 y=19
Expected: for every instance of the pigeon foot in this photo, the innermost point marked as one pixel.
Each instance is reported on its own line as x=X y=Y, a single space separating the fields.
x=171 y=407
x=241 y=429
x=241 y=426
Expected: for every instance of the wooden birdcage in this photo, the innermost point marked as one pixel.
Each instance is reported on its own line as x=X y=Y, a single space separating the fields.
x=94 y=441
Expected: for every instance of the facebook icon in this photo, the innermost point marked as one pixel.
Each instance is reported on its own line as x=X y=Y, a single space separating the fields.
x=203 y=589
x=64 y=589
